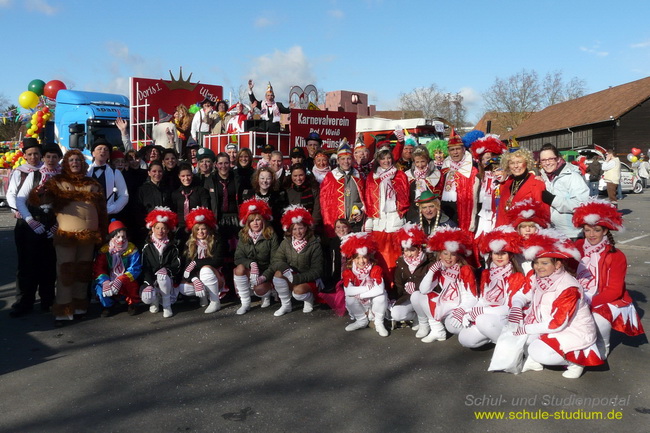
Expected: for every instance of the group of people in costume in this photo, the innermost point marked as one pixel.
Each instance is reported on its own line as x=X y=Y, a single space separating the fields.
x=451 y=237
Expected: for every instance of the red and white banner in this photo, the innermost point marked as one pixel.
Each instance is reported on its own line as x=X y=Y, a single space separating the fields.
x=332 y=126
x=147 y=96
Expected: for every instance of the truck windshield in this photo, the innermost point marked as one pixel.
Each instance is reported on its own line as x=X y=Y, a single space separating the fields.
x=110 y=133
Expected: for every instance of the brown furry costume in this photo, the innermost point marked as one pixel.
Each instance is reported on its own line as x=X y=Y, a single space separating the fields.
x=80 y=208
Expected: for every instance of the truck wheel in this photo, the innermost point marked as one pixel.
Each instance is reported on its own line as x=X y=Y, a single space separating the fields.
x=638 y=188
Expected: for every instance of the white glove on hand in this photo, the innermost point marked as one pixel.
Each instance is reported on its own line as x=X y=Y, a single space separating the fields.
x=199 y=288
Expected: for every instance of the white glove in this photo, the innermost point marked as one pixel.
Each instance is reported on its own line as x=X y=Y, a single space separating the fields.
x=189 y=269
x=199 y=288
x=147 y=294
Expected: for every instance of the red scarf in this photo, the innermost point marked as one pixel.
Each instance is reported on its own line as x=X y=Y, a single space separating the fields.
x=202 y=250
x=363 y=274
x=298 y=245
x=450 y=281
x=495 y=290
x=254 y=236
x=385 y=178
x=116 y=250
x=414 y=262
x=587 y=272
x=159 y=243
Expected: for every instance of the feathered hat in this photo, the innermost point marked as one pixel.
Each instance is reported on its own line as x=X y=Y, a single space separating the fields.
x=451 y=239
x=489 y=143
x=296 y=214
x=358 y=243
x=549 y=243
x=254 y=206
x=503 y=238
x=410 y=235
x=472 y=136
x=200 y=215
x=596 y=212
x=359 y=144
x=528 y=210
x=162 y=214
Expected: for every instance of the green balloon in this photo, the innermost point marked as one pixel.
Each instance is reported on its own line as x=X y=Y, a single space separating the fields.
x=29 y=125
x=36 y=86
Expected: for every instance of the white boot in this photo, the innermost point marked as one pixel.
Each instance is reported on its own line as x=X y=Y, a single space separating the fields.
x=266 y=300
x=573 y=371
x=358 y=324
x=209 y=279
x=153 y=308
x=284 y=293
x=423 y=328
x=531 y=365
x=243 y=288
x=215 y=304
x=308 y=299
x=379 y=326
x=437 y=332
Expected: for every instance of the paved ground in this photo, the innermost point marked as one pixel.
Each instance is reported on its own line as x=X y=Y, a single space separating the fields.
x=300 y=372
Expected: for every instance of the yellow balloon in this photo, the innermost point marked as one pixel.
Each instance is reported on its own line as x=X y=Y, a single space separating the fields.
x=28 y=100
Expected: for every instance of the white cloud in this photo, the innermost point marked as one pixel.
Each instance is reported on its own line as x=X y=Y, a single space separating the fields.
x=641 y=44
x=283 y=69
x=263 y=22
x=5 y=3
x=336 y=13
x=41 y=6
x=594 y=51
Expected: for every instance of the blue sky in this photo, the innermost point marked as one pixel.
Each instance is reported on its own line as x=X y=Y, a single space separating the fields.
x=383 y=48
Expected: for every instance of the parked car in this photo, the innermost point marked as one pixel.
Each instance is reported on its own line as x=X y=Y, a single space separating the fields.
x=630 y=180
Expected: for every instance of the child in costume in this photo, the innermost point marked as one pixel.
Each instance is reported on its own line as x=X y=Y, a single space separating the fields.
x=161 y=263
x=363 y=282
x=558 y=324
x=499 y=282
x=116 y=270
x=204 y=253
x=602 y=270
x=483 y=151
x=257 y=242
x=449 y=285
x=298 y=262
x=422 y=176
x=411 y=268
x=528 y=217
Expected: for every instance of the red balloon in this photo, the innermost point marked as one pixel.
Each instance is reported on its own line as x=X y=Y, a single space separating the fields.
x=53 y=87
x=636 y=151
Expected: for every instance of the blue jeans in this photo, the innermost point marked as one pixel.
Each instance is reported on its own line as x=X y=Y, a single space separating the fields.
x=619 y=192
x=593 y=189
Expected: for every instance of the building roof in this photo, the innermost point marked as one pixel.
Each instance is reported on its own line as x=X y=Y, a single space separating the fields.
x=500 y=122
x=603 y=106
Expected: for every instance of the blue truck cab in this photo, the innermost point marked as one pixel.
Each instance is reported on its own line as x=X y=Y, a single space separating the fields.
x=82 y=117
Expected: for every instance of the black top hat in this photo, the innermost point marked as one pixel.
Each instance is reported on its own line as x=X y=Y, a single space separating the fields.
x=29 y=142
x=267 y=148
x=101 y=142
x=206 y=101
x=52 y=148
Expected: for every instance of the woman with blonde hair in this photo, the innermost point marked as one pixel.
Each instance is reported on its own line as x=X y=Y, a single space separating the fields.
x=520 y=184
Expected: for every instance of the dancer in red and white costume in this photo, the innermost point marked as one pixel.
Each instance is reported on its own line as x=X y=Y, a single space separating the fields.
x=559 y=326
x=363 y=282
x=411 y=268
x=257 y=242
x=237 y=122
x=448 y=290
x=602 y=270
x=528 y=217
x=499 y=282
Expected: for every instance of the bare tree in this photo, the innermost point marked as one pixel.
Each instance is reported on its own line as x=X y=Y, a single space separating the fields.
x=523 y=93
x=434 y=102
x=9 y=127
